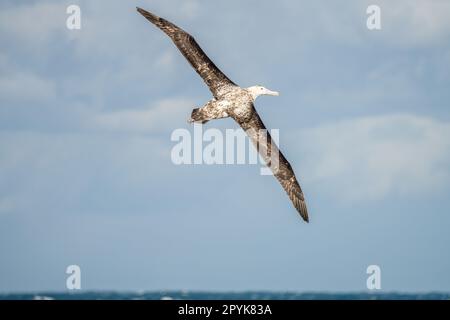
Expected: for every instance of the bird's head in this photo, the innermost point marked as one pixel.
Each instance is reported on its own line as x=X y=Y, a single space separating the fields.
x=256 y=91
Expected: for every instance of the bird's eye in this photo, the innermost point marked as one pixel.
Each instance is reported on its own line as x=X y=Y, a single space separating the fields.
x=261 y=88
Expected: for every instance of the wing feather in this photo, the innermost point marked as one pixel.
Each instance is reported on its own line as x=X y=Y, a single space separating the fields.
x=283 y=170
x=210 y=73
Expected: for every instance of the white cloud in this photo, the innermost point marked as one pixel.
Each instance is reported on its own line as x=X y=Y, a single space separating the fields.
x=33 y=24
x=416 y=22
x=372 y=157
x=67 y=172
x=23 y=86
x=164 y=114
x=404 y=22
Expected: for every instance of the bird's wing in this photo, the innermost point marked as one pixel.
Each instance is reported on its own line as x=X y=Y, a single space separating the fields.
x=282 y=170
x=212 y=75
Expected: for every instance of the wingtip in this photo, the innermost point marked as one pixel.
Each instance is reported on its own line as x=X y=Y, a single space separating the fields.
x=145 y=13
x=141 y=11
x=303 y=211
x=304 y=216
x=148 y=15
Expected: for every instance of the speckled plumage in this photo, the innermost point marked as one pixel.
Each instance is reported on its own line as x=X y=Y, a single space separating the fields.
x=233 y=101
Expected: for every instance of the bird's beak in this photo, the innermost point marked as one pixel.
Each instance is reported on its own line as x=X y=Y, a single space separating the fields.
x=272 y=93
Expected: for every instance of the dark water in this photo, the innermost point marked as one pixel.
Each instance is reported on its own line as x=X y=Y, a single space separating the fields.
x=187 y=295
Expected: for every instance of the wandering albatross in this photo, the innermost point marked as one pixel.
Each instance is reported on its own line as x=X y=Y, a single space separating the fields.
x=230 y=100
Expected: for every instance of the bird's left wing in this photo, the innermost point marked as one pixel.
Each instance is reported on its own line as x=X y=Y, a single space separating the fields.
x=281 y=168
x=210 y=73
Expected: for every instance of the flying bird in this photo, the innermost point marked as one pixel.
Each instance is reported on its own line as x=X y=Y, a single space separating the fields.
x=230 y=100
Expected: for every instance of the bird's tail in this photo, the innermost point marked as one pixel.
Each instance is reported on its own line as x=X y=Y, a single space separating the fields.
x=198 y=115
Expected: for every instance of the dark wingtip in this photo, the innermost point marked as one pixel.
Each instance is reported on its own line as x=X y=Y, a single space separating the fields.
x=304 y=215
x=303 y=211
x=145 y=13
x=149 y=16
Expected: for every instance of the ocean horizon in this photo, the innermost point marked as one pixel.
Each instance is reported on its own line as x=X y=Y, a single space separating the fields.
x=211 y=295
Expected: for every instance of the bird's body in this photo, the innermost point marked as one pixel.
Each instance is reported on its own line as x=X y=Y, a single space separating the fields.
x=241 y=104
x=230 y=100
x=233 y=101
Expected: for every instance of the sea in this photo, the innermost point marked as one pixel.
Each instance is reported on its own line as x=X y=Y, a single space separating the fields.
x=198 y=295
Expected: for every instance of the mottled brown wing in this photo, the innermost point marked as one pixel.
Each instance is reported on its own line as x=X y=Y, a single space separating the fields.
x=209 y=72
x=261 y=138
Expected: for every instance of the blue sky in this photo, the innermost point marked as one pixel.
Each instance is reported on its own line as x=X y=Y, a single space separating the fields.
x=85 y=170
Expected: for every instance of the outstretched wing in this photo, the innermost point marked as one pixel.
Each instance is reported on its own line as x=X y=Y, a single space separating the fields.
x=212 y=75
x=282 y=170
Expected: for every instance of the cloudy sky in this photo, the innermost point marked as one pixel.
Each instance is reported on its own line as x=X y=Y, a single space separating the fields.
x=85 y=171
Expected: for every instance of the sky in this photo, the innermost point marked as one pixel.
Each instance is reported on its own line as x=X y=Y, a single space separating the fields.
x=86 y=176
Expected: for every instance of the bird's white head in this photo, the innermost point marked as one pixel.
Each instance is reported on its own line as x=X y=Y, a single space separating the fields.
x=256 y=91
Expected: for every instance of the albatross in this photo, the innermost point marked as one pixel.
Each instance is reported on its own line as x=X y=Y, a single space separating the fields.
x=230 y=100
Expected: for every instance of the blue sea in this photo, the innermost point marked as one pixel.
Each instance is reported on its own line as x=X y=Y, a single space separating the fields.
x=198 y=295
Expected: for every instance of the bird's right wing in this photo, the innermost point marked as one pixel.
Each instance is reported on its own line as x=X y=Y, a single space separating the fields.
x=211 y=74
x=254 y=127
